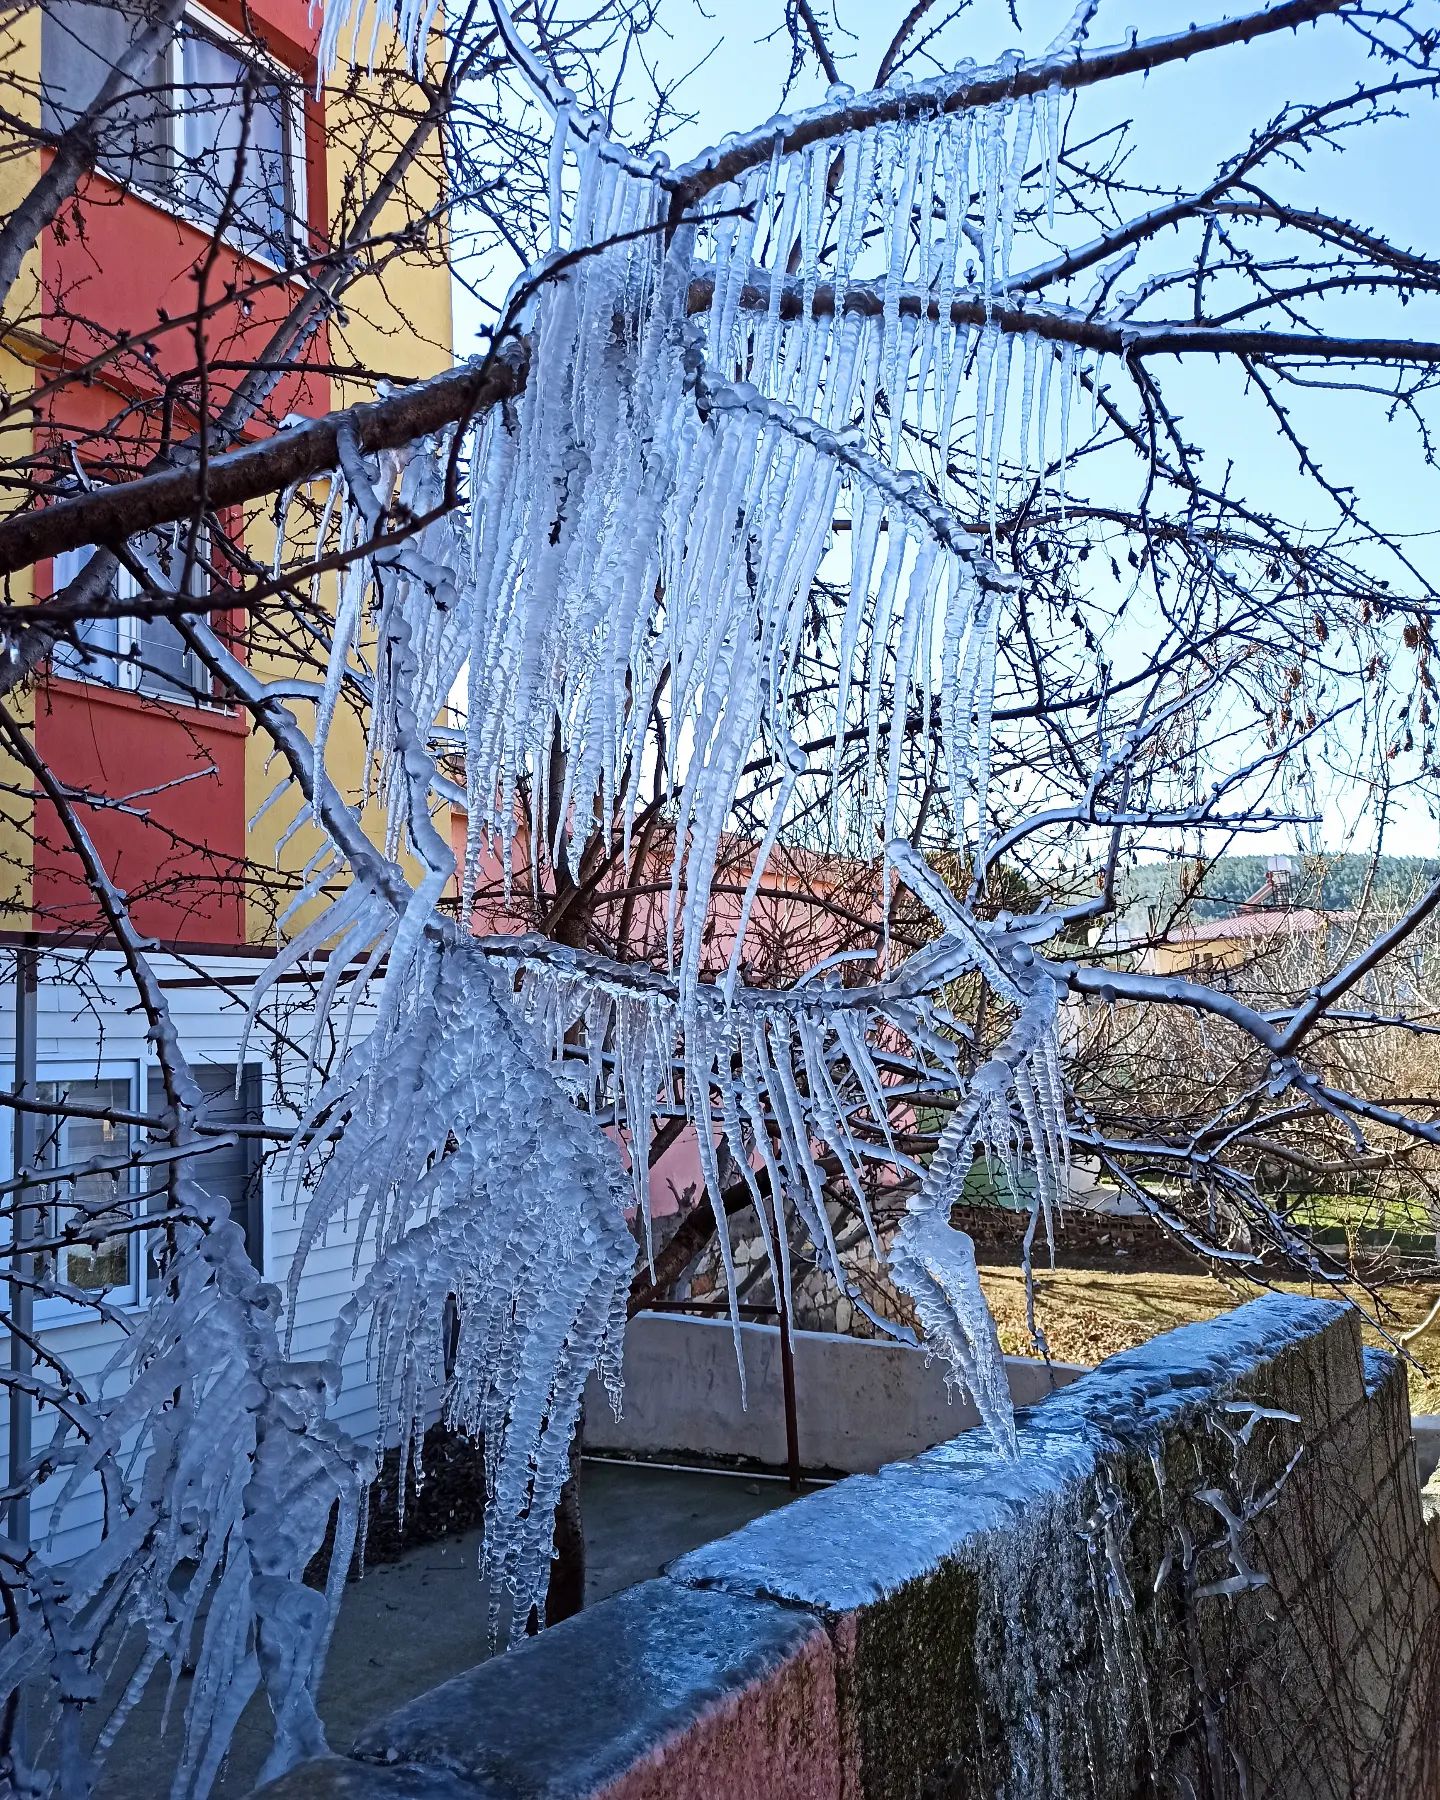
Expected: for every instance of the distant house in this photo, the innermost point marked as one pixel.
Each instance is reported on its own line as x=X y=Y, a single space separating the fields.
x=1268 y=917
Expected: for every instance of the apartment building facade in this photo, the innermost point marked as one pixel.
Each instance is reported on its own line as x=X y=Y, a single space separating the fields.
x=218 y=198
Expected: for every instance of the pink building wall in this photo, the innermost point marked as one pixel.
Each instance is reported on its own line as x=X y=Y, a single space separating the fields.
x=808 y=907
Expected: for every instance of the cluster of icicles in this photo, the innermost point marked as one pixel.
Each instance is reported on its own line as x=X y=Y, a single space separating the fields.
x=648 y=524
x=694 y=427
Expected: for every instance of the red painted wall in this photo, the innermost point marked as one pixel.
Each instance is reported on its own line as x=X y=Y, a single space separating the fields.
x=181 y=847
x=131 y=270
x=177 y=850
x=119 y=262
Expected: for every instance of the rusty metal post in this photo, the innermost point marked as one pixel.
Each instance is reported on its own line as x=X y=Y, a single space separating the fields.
x=787 y=1380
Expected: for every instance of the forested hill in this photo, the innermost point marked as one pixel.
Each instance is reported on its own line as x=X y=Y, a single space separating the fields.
x=1331 y=883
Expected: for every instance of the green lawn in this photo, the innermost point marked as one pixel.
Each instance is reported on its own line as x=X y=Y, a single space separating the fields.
x=1354 y=1210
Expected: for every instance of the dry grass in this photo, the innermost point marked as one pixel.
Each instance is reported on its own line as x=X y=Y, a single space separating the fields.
x=1088 y=1314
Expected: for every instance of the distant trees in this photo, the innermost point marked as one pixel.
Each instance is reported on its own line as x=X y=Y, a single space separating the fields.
x=1184 y=890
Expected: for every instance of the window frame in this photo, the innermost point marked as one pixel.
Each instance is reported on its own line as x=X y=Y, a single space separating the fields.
x=52 y=1310
x=123 y=671
x=169 y=196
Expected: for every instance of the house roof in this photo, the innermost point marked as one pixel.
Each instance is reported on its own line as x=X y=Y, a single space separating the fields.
x=1295 y=921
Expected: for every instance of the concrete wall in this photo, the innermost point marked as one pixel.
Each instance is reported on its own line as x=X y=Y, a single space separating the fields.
x=1206 y=1574
x=1427 y=1444
x=859 y=1402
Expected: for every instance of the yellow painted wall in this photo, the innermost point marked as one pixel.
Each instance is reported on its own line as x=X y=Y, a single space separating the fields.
x=19 y=169
x=19 y=154
x=397 y=323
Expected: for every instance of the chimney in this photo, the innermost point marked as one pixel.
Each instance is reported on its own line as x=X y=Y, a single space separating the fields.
x=1279 y=876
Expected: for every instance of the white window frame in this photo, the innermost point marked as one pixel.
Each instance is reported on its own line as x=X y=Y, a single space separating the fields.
x=123 y=672
x=52 y=1310
x=169 y=197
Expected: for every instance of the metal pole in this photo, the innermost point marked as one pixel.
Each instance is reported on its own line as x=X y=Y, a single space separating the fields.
x=22 y=1297
x=787 y=1379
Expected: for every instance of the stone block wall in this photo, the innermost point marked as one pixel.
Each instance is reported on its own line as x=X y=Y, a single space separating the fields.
x=1206 y=1574
x=818 y=1304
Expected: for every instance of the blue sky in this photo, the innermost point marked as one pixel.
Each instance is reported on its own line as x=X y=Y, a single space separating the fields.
x=1187 y=120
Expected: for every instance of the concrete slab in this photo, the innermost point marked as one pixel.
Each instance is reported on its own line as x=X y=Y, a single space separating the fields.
x=860 y=1403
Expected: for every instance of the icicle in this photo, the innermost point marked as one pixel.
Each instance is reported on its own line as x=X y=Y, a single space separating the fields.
x=984 y=360
x=1053 y=99
x=1027 y=391
x=534 y=1306
x=916 y=614
x=1014 y=180
x=954 y=375
x=898 y=379
x=857 y=183
x=957 y=201
x=557 y=171
x=1047 y=365
x=897 y=234
x=997 y=421
x=818 y=157
x=884 y=604
x=1068 y=358
x=990 y=141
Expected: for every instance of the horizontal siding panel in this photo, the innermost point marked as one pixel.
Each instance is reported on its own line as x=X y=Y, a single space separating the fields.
x=86 y=1014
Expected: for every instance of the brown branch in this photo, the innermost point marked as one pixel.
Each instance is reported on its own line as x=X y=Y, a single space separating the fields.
x=125 y=510
x=1003 y=82
x=112 y=514
x=817 y=41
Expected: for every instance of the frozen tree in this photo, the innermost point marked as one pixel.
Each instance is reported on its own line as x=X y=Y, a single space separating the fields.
x=830 y=487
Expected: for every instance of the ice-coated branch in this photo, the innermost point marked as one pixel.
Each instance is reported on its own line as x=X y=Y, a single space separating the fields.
x=971 y=88
x=1101 y=982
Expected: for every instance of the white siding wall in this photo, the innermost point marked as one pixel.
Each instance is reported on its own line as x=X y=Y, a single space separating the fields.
x=88 y=1020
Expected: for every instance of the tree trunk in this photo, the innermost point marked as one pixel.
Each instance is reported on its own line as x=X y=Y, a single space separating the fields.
x=566 y=1593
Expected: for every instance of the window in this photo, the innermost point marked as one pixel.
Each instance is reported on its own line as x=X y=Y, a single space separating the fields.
x=95 y=1211
x=235 y=1173
x=147 y=656
x=88 y=1208
x=233 y=138
x=214 y=128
